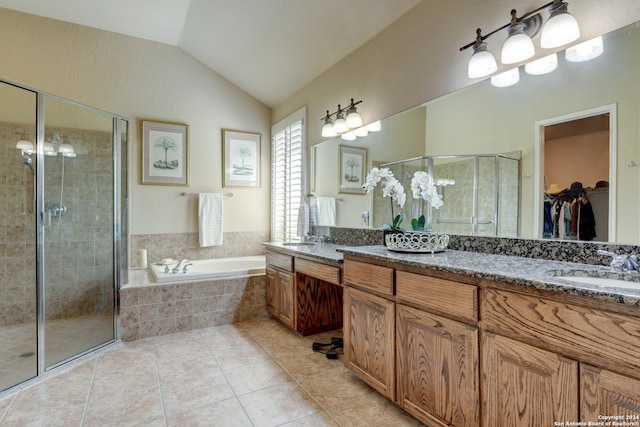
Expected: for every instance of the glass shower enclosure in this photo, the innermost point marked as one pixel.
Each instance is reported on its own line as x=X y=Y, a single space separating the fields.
x=481 y=194
x=62 y=243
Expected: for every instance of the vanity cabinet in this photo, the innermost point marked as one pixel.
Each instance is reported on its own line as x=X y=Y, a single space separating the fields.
x=304 y=295
x=280 y=296
x=526 y=386
x=280 y=287
x=457 y=350
x=369 y=325
x=437 y=356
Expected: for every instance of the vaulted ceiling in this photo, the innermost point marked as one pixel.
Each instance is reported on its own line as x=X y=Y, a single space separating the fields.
x=269 y=48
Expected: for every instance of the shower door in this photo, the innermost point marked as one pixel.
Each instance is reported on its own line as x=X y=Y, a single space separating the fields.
x=18 y=326
x=77 y=204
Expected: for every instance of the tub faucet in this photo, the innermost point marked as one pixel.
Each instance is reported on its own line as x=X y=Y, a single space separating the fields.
x=179 y=266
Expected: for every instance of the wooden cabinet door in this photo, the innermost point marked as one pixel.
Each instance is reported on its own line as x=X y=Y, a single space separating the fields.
x=526 y=386
x=286 y=289
x=369 y=341
x=437 y=368
x=272 y=292
x=606 y=393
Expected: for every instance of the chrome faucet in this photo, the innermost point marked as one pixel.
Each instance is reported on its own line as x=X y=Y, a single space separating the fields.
x=180 y=265
x=621 y=263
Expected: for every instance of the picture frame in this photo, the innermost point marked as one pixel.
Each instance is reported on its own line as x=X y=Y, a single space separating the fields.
x=241 y=158
x=353 y=162
x=165 y=154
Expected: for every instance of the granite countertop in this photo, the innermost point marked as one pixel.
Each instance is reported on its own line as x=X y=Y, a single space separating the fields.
x=536 y=273
x=320 y=251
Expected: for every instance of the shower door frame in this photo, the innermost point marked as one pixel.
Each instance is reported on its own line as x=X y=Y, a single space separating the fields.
x=40 y=224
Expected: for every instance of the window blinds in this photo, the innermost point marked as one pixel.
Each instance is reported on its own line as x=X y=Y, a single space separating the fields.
x=287 y=176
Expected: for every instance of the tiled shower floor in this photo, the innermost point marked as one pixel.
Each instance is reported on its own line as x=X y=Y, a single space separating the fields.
x=255 y=373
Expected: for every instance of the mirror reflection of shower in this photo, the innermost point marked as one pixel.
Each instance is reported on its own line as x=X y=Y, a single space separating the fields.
x=26 y=150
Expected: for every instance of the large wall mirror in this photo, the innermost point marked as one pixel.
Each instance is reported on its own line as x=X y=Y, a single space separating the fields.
x=483 y=119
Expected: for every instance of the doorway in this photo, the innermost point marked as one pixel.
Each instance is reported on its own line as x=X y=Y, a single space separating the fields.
x=576 y=161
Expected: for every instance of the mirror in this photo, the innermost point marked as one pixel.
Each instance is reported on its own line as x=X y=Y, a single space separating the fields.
x=483 y=119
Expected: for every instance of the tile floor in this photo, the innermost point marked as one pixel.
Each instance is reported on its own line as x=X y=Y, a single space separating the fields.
x=255 y=373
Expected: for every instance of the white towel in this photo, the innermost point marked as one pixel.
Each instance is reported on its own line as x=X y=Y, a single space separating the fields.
x=210 y=219
x=326 y=211
x=303 y=220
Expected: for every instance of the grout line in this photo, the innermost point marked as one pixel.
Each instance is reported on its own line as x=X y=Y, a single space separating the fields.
x=86 y=403
x=155 y=361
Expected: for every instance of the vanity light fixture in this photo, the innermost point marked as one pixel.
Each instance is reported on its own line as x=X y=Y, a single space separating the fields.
x=25 y=147
x=348 y=136
x=560 y=29
x=327 y=130
x=374 y=126
x=506 y=79
x=542 y=66
x=585 y=51
x=342 y=124
x=518 y=46
x=482 y=62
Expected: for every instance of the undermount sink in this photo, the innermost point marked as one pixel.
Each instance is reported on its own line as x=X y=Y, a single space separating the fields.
x=599 y=278
x=298 y=243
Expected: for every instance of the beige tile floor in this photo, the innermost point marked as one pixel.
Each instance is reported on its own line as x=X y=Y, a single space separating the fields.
x=255 y=373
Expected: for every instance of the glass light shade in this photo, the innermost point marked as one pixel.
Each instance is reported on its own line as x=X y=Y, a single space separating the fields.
x=354 y=120
x=361 y=131
x=50 y=149
x=508 y=78
x=328 y=131
x=559 y=30
x=340 y=125
x=348 y=136
x=481 y=64
x=542 y=66
x=374 y=127
x=25 y=146
x=585 y=50
x=517 y=48
x=66 y=149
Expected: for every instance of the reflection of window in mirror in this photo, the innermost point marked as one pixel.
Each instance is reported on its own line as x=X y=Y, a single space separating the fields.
x=576 y=178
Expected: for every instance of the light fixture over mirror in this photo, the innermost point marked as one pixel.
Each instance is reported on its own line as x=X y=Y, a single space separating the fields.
x=585 y=51
x=561 y=29
x=349 y=127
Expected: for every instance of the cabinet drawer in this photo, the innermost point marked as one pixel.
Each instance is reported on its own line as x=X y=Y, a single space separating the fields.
x=320 y=271
x=579 y=332
x=282 y=261
x=445 y=296
x=369 y=276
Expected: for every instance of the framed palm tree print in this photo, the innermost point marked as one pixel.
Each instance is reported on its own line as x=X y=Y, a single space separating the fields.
x=165 y=154
x=241 y=157
x=352 y=164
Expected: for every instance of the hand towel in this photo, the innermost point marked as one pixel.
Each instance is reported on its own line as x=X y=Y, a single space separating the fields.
x=326 y=211
x=303 y=220
x=210 y=219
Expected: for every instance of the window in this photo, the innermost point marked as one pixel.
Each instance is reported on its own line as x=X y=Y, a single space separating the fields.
x=288 y=171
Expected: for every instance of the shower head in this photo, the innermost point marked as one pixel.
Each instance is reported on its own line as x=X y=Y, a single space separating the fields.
x=27 y=160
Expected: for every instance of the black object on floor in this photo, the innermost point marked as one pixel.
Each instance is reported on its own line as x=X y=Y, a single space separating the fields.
x=331 y=350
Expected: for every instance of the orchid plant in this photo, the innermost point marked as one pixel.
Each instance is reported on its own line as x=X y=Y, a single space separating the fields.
x=423 y=187
x=391 y=188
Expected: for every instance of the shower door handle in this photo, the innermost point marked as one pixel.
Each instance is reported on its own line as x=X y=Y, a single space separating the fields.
x=46 y=218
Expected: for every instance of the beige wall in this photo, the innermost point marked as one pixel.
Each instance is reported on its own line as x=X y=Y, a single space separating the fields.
x=416 y=59
x=145 y=80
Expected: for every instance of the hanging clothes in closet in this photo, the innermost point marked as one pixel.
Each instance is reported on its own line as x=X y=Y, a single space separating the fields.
x=571 y=214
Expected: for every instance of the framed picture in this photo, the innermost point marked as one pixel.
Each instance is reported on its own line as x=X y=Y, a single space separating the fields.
x=165 y=154
x=241 y=157
x=352 y=167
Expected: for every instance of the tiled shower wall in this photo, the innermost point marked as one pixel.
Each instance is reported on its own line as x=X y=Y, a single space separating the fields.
x=78 y=258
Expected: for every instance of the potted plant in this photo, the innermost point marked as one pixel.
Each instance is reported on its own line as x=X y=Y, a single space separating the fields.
x=423 y=187
x=391 y=188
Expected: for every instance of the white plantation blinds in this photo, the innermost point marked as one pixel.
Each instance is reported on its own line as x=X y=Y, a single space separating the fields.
x=287 y=175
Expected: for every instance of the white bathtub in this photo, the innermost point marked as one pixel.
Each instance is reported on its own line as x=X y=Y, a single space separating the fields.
x=211 y=268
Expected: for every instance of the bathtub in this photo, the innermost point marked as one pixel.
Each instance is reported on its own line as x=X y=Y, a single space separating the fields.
x=211 y=268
